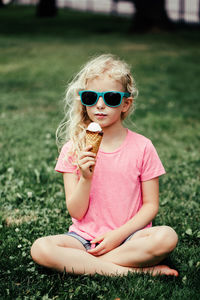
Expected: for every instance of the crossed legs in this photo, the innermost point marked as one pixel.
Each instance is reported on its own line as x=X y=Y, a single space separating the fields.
x=146 y=249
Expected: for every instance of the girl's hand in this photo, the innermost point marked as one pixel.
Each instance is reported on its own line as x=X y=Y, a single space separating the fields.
x=86 y=162
x=108 y=242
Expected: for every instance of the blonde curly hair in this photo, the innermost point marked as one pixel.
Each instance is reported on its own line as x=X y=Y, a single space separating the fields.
x=76 y=120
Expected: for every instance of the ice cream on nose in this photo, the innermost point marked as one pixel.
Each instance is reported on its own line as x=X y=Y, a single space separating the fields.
x=94 y=135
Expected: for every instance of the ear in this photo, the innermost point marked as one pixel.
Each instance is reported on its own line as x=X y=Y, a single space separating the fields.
x=127 y=104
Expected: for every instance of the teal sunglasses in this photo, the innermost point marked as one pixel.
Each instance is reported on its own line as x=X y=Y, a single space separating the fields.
x=112 y=98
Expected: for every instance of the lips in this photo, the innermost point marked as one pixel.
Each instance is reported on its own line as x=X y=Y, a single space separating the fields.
x=100 y=114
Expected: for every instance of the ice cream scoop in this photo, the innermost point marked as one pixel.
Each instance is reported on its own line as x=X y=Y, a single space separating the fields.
x=94 y=135
x=94 y=127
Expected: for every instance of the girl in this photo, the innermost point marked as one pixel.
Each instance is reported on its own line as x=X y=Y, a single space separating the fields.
x=112 y=204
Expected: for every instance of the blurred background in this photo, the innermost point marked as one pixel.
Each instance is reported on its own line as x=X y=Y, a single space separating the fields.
x=182 y=11
x=43 y=44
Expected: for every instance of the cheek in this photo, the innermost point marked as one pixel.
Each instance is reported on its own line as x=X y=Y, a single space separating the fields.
x=115 y=113
x=89 y=110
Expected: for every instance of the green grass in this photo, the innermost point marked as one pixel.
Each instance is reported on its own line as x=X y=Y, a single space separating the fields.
x=37 y=59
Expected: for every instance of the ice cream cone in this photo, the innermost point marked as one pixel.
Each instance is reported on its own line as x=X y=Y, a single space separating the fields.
x=94 y=135
x=94 y=139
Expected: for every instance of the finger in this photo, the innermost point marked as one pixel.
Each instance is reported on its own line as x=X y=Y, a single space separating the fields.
x=97 y=240
x=89 y=147
x=86 y=160
x=87 y=154
x=88 y=165
x=103 y=251
x=97 y=249
x=99 y=253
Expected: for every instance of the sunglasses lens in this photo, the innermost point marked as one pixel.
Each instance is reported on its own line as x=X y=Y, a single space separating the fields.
x=112 y=99
x=88 y=98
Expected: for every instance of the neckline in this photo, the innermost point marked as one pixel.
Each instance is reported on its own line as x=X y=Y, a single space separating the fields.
x=119 y=148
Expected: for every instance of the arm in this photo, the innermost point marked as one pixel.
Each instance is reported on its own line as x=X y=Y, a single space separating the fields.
x=77 y=191
x=76 y=195
x=148 y=211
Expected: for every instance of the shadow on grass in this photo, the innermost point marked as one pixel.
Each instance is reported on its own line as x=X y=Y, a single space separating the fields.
x=20 y=20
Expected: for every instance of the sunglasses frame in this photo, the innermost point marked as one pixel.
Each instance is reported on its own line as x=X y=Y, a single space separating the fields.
x=126 y=95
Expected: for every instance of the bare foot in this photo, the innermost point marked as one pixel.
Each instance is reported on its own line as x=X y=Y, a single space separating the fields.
x=158 y=270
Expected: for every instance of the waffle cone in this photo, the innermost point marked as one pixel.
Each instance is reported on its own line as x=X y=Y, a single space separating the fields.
x=94 y=139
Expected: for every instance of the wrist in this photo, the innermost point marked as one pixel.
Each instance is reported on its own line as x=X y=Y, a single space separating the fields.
x=123 y=232
x=85 y=180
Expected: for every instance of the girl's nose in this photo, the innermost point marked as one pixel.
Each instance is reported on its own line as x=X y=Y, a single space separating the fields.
x=100 y=103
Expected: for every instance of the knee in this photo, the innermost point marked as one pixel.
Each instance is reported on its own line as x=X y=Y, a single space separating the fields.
x=165 y=240
x=40 y=250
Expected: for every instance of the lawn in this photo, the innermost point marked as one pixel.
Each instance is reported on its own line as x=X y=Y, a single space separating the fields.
x=37 y=59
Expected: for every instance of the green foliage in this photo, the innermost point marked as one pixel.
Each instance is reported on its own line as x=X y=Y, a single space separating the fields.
x=37 y=59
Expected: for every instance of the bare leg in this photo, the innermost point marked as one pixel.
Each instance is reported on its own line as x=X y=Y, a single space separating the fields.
x=145 y=250
x=66 y=253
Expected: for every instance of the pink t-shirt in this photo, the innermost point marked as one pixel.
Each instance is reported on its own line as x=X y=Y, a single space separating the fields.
x=115 y=195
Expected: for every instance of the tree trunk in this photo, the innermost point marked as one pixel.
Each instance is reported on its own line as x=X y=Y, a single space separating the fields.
x=46 y=8
x=1 y=3
x=150 y=14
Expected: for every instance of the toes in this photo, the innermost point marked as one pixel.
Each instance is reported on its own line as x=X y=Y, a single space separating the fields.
x=164 y=270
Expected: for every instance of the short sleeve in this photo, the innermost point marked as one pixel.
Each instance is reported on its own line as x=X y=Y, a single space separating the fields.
x=65 y=161
x=151 y=164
